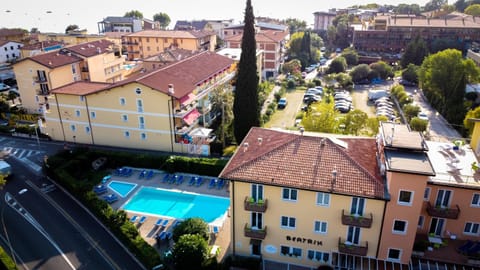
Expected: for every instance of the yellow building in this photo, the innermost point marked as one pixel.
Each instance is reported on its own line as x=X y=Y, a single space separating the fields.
x=301 y=200
x=37 y=75
x=475 y=143
x=158 y=110
x=74 y=38
x=147 y=43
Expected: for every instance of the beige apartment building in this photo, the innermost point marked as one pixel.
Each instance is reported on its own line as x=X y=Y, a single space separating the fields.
x=144 y=44
x=167 y=109
x=302 y=200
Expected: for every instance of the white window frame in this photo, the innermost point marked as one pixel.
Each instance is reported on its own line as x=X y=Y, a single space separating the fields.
x=138 y=90
x=73 y=128
x=320 y=223
x=141 y=122
x=82 y=98
x=404 y=229
x=394 y=259
x=125 y=117
x=402 y=202
x=143 y=136
x=139 y=105
x=477 y=196
x=77 y=113
x=87 y=129
x=323 y=199
x=93 y=114
x=288 y=225
x=472 y=226
x=421 y=221
x=126 y=134
x=122 y=101
x=318 y=256
x=291 y=250
x=290 y=192
x=426 y=193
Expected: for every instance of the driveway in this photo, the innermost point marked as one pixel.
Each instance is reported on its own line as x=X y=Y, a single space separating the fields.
x=285 y=118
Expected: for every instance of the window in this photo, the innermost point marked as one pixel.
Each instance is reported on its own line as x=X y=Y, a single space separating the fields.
x=74 y=69
x=288 y=222
x=257 y=192
x=443 y=198
x=87 y=129
x=11 y=48
x=421 y=221
x=257 y=220
x=82 y=98
x=289 y=194
x=139 y=105
x=138 y=91
x=77 y=113
x=291 y=251
x=399 y=226
x=318 y=256
x=124 y=118
x=126 y=134
x=394 y=254
x=323 y=199
x=476 y=200
x=426 y=194
x=123 y=101
x=405 y=197
x=73 y=128
x=141 y=122
x=471 y=228
x=320 y=226
x=143 y=136
x=93 y=114
x=357 y=206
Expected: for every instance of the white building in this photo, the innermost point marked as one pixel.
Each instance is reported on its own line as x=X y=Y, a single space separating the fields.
x=9 y=51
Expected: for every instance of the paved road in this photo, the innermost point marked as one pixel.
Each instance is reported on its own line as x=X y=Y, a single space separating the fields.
x=54 y=231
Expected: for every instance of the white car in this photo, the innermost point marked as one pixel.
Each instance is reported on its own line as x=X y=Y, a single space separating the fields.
x=423 y=116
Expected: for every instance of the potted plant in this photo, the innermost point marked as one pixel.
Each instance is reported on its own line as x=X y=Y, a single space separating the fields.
x=260 y=202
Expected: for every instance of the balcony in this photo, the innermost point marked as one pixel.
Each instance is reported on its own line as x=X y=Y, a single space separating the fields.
x=255 y=206
x=40 y=79
x=84 y=69
x=255 y=233
x=41 y=92
x=129 y=43
x=440 y=212
x=357 y=221
x=349 y=248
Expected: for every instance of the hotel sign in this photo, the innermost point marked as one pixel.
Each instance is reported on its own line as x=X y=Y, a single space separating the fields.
x=304 y=240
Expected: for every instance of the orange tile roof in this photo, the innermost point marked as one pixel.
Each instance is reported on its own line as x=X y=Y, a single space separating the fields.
x=171 y=34
x=54 y=59
x=90 y=49
x=306 y=162
x=81 y=88
x=263 y=36
x=42 y=45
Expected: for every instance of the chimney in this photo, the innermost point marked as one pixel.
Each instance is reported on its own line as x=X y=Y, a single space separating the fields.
x=245 y=146
x=99 y=50
x=171 y=90
x=260 y=140
x=302 y=130
x=334 y=178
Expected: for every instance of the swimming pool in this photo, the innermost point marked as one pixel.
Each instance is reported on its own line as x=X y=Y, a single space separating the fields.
x=121 y=188
x=177 y=204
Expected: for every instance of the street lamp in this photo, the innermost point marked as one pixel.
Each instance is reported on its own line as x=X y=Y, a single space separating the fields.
x=9 y=197
x=36 y=133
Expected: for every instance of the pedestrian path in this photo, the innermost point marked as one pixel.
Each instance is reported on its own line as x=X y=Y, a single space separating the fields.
x=20 y=152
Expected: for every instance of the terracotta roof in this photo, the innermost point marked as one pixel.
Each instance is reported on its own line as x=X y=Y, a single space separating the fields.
x=171 y=34
x=264 y=36
x=54 y=59
x=3 y=42
x=393 y=21
x=42 y=45
x=80 y=88
x=10 y=32
x=307 y=162
x=90 y=49
x=184 y=75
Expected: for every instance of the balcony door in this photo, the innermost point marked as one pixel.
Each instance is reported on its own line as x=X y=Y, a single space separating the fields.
x=358 y=204
x=257 y=192
x=443 y=198
x=353 y=235
x=257 y=220
x=436 y=226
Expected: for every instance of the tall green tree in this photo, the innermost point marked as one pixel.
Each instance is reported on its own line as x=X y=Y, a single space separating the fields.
x=191 y=226
x=246 y=109
x=411 y=73
x=443 y=77
x=163 y=19
x=321 y=117
x=338 y=65
x=134 y=14
x=415 y=52
x=475 y=113
x=473 y=10
x=189 y=252
x=360 y=72
x=296 y=25
x=71 y=27
x=351 y=56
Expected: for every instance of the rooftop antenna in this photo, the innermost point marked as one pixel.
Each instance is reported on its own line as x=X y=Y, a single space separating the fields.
x=302 y=130
x=334 y=177
x=260 y=140
x=171 y=90
x=245 y=146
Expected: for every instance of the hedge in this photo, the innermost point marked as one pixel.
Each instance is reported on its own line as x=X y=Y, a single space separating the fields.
x=7 y=261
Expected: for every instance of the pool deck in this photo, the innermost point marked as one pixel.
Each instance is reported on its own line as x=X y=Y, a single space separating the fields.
x=148 y=229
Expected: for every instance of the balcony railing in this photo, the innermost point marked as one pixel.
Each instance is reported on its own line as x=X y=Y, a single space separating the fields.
x=357 y=221
x=349 y=248
x=84 y=69
x=255 y=206
x=451 y=213
x=129 y=43
x=185 y=129
x=43 y=92
x=205 y=89
x=255 y=233
x=40 y=79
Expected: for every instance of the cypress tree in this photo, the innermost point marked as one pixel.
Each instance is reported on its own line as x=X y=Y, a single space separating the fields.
x=246 y=109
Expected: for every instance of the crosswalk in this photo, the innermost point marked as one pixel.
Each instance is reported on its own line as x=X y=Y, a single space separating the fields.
x=20 y=153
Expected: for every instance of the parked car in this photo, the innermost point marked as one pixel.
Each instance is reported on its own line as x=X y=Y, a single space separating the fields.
x=282 y=103
x=308 y=99
x=407 y=83
x=343 y=108
x=4 y=87
x=376 y=94
x=363 y=81
x=423 y=116
x=346 y=98
x=314 y=91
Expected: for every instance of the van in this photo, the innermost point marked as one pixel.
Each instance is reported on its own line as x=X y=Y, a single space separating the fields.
x=376 y=94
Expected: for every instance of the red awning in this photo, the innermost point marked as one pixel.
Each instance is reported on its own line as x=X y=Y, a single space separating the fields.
x=191 y=117
x=187 y=99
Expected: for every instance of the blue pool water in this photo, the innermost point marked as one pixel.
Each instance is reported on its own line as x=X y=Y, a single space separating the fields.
x=177 y=204
x=121 y=188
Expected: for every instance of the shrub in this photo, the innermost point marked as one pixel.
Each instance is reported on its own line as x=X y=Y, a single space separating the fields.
x=7 y=261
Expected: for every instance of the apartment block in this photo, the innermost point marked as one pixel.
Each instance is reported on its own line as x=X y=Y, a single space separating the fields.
x=144 y=44
x=10 y=51
x=167 y=109
x=302 y=200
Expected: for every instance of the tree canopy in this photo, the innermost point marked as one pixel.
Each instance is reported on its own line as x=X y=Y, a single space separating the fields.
x=360 y=72
x=338 y=65
x=134 y=14
x=411 y=73
x=71 y=27
x=163 y=19
x=473 y=10
x=443 y=77
x=305 y=46
x=415 y=52
x=475 y=113
x=189 y=252
x=245 y=107
x=351 y=56
x=296 y=25
x=191 y=226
